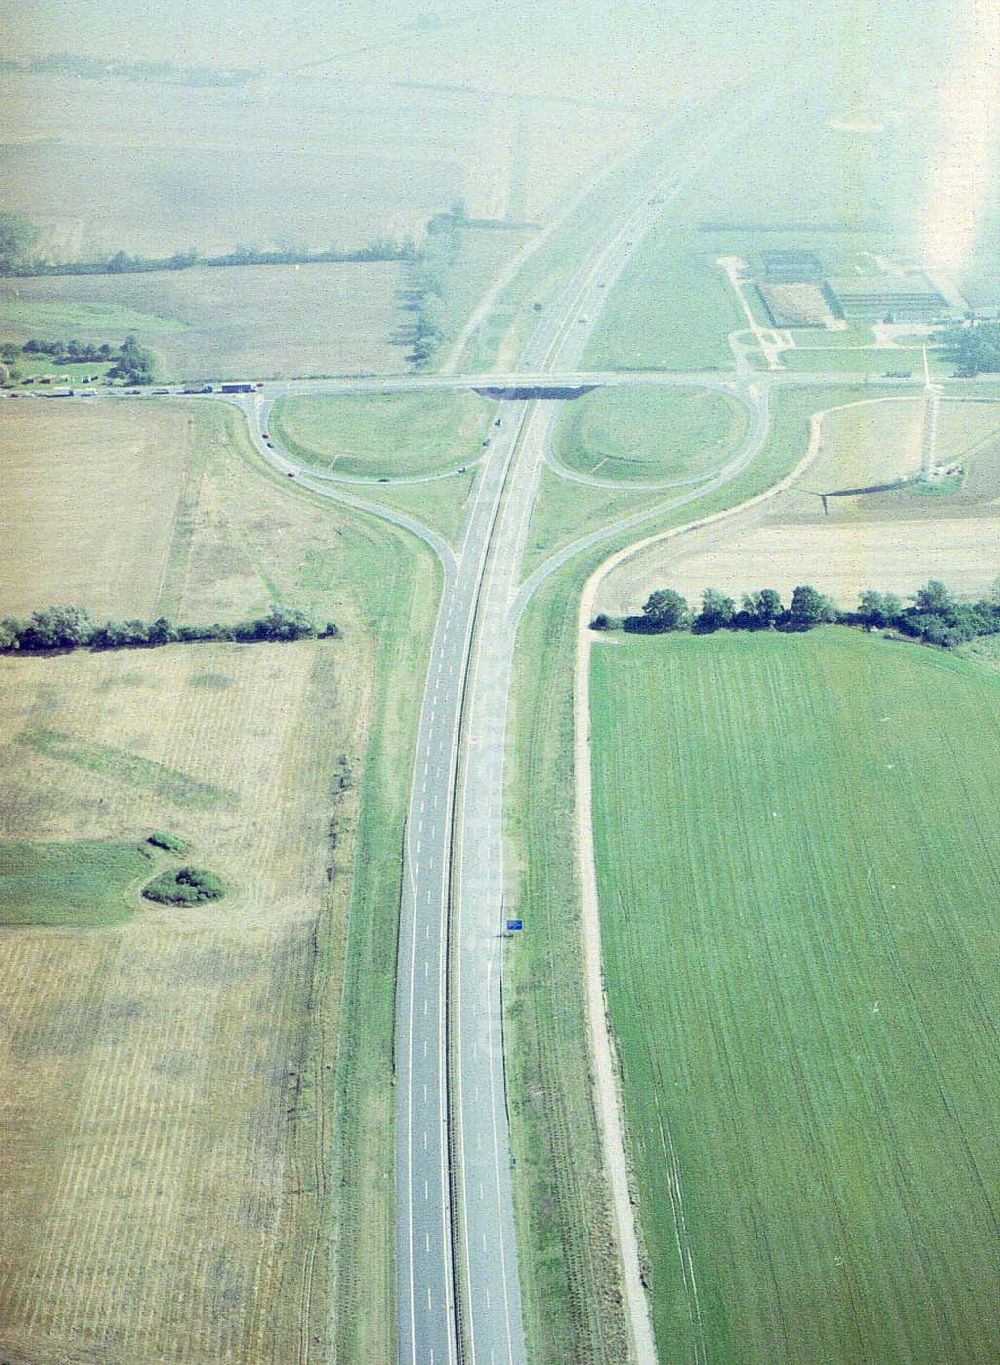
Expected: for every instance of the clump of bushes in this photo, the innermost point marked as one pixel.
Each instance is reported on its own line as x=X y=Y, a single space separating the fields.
x=184 y=886
x=934 y=616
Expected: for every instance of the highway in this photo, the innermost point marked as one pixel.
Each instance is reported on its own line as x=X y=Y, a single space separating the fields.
x=458 y=1284
x=459 y=1294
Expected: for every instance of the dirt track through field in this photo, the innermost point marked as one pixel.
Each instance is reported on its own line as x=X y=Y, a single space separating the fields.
x=893 y=541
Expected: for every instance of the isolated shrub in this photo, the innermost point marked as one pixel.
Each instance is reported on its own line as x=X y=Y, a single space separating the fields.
x=169 y=842
x=184 y=886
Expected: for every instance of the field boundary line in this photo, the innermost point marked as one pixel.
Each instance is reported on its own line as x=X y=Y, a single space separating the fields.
x=607 y=1088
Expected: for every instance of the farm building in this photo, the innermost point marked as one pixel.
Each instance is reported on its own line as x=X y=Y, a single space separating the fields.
x=889 y=298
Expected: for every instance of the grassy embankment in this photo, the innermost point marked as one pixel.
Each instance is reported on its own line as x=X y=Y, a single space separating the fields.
x=568 y=1264
x=672 y=309
x=648 y=433
x=384 y=435
x=798 y=906
x=278 y=766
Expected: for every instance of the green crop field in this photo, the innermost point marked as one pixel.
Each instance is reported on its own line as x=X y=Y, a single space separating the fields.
x=384 y=434
x=796 y=863
x=649 y=433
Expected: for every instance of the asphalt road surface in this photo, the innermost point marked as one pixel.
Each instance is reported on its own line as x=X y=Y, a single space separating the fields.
x=458 y=1286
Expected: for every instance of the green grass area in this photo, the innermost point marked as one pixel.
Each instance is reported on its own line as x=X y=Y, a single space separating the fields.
x=567 y=1262
x=30 y=365
x=985 y=650
x=672 y=309
x=86 y=883
x=81 y=319
x=564 y=510
x=799 y=899
x=384 y=434
x=863 y=360
x=438 y=503
x=647 y=433
x=822 y=336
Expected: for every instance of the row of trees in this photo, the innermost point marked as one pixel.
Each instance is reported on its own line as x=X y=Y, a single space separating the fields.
x=132 y=362
x=428 y=281
x=70 y=627
x=934 y=615
x=19 y=262
x=100 y=68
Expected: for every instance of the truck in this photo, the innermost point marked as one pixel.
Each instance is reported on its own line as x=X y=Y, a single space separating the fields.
x=236 y=388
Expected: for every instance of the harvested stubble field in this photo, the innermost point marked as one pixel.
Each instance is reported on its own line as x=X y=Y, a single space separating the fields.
x=274 y=994
x=798 y=901
x=893 y=540
x=159 y=1127
x=248 y=322
x=91 y=498
x=146 y=508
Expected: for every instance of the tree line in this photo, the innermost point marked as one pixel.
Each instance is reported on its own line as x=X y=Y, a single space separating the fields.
x=17 y=261
x=132 y=362
x=65 y=628
x=934 y=615
x=429 y=272
x=101 y=68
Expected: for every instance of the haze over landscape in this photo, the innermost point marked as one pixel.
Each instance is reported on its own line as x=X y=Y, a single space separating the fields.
x=499 y=619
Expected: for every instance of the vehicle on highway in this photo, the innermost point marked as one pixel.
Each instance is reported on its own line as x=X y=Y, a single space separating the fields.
x=238 y=388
